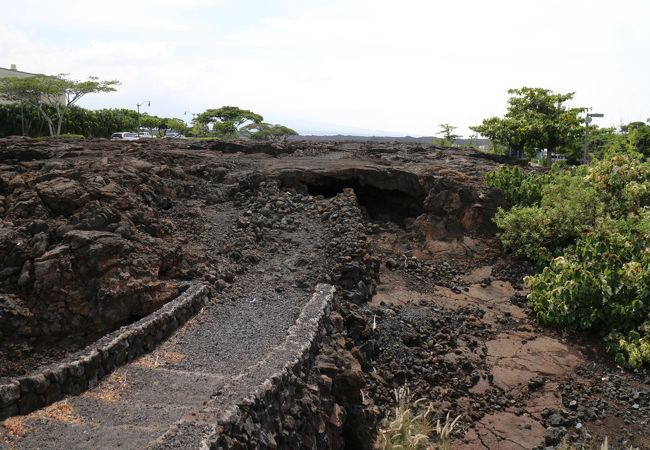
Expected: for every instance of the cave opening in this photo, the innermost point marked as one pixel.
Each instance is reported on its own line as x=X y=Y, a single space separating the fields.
x=380 y=204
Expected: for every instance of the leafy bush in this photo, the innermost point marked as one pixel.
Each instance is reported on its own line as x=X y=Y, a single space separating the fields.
x=593 y=230
x=79 y=121
x=520 y=187
x=62 y=136
x=622 y=182
x=567 y=209
x=602 y=284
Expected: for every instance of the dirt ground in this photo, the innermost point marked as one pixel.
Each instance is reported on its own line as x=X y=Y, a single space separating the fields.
x=468 y=342
x=97 y=234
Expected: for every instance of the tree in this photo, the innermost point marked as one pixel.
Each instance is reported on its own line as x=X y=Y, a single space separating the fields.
x=632 y=139
x=177 y=125
x=537 y=119
x=638 y=134
x=52 y=95
x=150 y=122
x=226 y=121
x=264 y=131
x=448 y=137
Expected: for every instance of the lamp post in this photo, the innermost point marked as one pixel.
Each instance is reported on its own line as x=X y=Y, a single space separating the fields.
x=585 y=152
x=138 y=105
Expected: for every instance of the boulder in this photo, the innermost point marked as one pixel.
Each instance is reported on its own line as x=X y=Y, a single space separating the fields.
x=62 y=195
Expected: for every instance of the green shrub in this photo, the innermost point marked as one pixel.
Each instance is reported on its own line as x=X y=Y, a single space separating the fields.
x=520 y=187
x=592 y=230
x=602 y=284
x=567 y=209
x=63 y=136
x=622 y=182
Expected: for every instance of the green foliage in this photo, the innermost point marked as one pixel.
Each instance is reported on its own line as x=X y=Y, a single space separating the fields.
x=266 y=132
x=225 y=122
x=567 y=210
x=536 y=119
x=70 y=136
x=633 y=140
x=638 y=135
x=91 y=124
x=602 y=283
x=448 y=136
x=623 y=184
x=52 y=96
x=592 y=229
x=520 y=187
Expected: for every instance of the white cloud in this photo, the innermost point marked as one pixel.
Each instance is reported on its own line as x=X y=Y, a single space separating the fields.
x=402 y=66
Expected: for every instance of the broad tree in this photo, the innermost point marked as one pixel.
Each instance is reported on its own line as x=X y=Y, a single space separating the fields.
x=178 y=125
x=226 y=121
x=52 y=95
x=537 y=119
x=266 y=132
x=151 y=123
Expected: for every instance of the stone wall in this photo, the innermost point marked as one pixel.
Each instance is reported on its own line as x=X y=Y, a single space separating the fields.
x=311 y=396
x=83 y=369
x=282 y=412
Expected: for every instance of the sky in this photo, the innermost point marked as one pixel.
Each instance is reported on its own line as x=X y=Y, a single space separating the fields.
x=350 y=66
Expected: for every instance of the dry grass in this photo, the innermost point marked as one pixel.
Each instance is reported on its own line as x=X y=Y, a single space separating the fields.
x=60 y=411
x=109 y=390
x=15 y=426
x=410 y=430
x=158 y=359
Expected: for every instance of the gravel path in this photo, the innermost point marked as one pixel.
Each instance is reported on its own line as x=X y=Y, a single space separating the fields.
x=209 y=358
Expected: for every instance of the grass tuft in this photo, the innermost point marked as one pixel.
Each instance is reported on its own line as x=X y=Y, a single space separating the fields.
x=411 y=426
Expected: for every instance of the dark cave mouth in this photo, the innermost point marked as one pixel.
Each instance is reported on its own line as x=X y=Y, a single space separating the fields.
x=380 y=204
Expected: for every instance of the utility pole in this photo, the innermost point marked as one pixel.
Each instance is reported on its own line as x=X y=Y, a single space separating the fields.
x=585 y=148
x=138 y=105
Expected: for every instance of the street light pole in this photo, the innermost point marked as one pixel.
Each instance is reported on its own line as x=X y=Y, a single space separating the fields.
x=585 y=148
x=138 y=105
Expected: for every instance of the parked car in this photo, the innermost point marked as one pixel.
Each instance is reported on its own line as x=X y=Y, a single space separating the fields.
x=124 y=136
x=145 y=135
x=174 y=136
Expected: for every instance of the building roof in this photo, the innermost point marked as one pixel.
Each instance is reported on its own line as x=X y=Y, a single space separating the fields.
x=16 y=71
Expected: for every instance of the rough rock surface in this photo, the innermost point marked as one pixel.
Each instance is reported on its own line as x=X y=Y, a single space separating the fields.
x=96 y=234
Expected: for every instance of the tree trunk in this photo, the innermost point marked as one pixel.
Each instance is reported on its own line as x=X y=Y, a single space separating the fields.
x=50 y=124
x=61 y=115
x=549 y=157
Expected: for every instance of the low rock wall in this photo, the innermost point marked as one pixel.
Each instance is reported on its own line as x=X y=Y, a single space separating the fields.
x=280 y=413
x=83 y=369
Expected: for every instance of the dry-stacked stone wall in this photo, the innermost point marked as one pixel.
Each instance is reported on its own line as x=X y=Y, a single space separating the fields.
x=84 y=369
x=312 y=384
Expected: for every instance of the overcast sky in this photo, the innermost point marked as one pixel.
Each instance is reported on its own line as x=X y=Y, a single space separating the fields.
x=351 y=65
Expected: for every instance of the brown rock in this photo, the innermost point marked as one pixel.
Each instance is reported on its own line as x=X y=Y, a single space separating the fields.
x=62 y=195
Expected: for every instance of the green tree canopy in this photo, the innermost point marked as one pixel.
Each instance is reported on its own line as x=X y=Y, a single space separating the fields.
x=264 y=131
x=632 y=139
x=52 y=95
x=226 y=121
x=150 y=122
x=537 y=119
